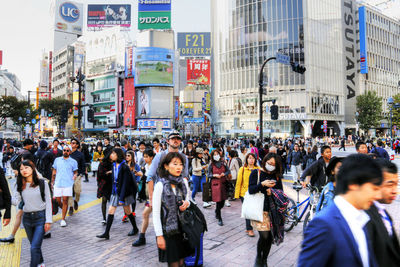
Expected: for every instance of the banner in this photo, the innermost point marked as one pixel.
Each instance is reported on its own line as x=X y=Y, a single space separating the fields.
x=363 y=40
x=129 y=62
x=154 y=5
x=129 y=103
x=100 y=16
x=198 y=71
x=154 y=20
x=193 y=44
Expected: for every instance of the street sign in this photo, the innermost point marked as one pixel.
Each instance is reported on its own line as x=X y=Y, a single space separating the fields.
x=325 y=122
x=33 y=121
x=325 y=130
x=322 y=126
x=284 y=59
x=267 y=109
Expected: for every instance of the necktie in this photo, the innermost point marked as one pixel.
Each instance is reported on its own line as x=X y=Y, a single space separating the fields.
x=386 y=221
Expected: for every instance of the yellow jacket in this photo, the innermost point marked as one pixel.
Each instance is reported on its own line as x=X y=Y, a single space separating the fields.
x=97 y=156
x=242 y=182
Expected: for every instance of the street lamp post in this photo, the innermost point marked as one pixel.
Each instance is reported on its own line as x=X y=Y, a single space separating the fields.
x=390 y=102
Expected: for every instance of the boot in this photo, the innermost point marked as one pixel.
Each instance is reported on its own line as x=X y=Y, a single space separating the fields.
x=106 y=234
x=135 y=230
x=140 y=242
x=259 y=261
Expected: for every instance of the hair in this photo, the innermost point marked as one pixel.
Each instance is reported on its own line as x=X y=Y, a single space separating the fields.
x=141 y=143
x=107 y=138
x=246 y=163
x=379 y=142
x=359 y=143
x=27 y=142
x=242 y=149
x=124 y=142
x=149 y=152
x=323 y=148
x=156 y=140
x=120 y=154
x=252 y=142
x=278 y=163
x=21 y=180
x=162 y=172
x=314 y=149
x=101 y=147
x=77 y=142
x=387 y=166
x=133 y=161
x=232 y=153
x=358 y=169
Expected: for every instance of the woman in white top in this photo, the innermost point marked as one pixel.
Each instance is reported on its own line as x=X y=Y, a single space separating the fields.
x=171 y=195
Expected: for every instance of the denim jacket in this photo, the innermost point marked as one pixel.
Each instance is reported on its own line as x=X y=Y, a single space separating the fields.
x=327 y=195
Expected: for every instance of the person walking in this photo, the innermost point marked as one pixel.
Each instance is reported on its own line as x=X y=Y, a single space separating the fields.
x=36 y=199
x=262 y=180
x=6 y=204
x=170 y=193
x=242 y=184
x=123 y=192
x=218 y=173
x=98 y=156
x=234 y=164
x=104 y=184
x=136 y=173
x=295 y=161
x=77 y=188
x=199 y=168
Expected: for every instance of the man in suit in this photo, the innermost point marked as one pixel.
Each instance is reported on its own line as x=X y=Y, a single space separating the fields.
x=380 y=228
x=337 y=236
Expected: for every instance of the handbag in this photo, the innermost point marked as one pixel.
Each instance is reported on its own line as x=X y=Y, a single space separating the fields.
x=193 y=224
x=230 y=189
x=207 y=195
x=253 y=205
x=95 y=166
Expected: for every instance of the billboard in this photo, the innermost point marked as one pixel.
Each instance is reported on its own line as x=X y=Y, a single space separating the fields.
x=129 y=62
x=144 y=102
x=100 y=16
x=129 y=103
x=152 y=124
x=159 y=20
x=363 y=40
x=154 y=102
x=154 y=5
x=153 y=66
x=192 y=44
x=69 y=17
x=198 y=71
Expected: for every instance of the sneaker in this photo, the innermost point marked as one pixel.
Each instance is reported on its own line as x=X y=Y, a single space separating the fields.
x=63 y=223
x=206 y=205
x=103 y=222
x=227 y=204
x=125 y=219
x=212 y=203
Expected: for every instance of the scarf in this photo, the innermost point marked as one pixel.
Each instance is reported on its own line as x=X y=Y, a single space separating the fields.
x=278 y=203
x=170 y=206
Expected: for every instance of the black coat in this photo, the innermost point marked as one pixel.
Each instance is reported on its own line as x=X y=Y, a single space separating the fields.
x=317 y=173
x=5 y=194
x=386 y=249
x=126 y=183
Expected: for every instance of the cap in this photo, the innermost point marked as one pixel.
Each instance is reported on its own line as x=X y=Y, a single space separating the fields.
x=174 y=135
x=199 y=150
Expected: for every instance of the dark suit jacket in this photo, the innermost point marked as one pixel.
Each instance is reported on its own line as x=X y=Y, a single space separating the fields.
x=328 y=241
x=386 y=249
x=126 y=183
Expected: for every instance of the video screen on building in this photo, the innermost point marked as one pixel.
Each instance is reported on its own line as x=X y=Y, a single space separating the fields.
x=154 y=73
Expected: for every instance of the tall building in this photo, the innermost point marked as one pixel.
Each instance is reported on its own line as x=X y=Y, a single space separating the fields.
x=10 y=85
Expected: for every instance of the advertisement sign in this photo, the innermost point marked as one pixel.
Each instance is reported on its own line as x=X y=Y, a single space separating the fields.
x=69 y=17
x=194 y=120
x=152 y=124
x=176 y=109
x=208 y=100
x=50 y=70
x=154 y=66
x=129 y=62
x=143 y=101
x=363 y=40
x=159 y=20
x=192 y=44
x=129 y=103
x=154 y=5
x=198 y=71
x=100 y=67
x=100 y=16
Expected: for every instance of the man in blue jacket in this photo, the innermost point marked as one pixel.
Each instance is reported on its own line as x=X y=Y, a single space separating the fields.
x=337 y=236
x=380 y=151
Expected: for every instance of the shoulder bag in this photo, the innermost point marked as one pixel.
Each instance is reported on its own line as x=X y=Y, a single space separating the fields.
x=253 y=205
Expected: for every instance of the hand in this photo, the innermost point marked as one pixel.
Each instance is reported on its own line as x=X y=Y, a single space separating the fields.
x=161 y=243
x=268 y=183
x=47 y=227
x=74 y=177
x=6 y=222
x=268 y=191
x=304 y=184
x=109 y=172
x=184 y=206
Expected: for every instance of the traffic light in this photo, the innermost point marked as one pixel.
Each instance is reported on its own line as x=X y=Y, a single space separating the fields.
x=64 y=115
x=274 y=112
x=90 y=115
x=296 y=67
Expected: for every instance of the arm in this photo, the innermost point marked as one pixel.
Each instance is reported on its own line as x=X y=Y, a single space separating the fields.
x=195 y=167
x=153 y=168
x=310 y=170
x=239 y=182
x=210 y=171
x=49 y=215
x=53 y=176
x=125 y=176
x=253 y=186
x=158 y=189
x=6 y=195
x=150 y=185
x=186 y=171
x=227 y=171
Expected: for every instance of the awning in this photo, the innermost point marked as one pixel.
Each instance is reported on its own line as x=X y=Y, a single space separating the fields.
x=94 y=130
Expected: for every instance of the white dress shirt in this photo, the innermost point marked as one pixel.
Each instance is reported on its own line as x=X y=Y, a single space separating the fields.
x=356 y=219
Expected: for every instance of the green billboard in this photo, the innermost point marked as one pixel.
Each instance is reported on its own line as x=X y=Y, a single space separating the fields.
x=154 y=20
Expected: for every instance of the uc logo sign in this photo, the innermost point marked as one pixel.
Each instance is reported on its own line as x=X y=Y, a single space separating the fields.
x=69 y=12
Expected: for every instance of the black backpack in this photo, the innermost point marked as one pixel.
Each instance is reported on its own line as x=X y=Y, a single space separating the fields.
x=42 y=194
x=15 y=161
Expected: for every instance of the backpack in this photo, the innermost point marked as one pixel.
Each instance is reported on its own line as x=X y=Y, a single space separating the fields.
x=310 y=161
x=239 y=160
x=40 y=165
x=15 y=161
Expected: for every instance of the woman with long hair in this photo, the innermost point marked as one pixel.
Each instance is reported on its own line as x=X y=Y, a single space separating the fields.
x=262 y=181
x=136 y=172
x=171 y=195
x=218 y=173
x=242 y=183
x=199 y=173
x=104 y=184
x=34 y=194
x=123 y=192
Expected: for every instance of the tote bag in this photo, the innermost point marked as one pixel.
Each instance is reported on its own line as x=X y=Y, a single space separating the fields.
x=253 y=205
x=95 y=166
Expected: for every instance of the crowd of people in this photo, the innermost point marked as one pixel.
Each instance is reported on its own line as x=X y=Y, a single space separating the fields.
x=172 y=175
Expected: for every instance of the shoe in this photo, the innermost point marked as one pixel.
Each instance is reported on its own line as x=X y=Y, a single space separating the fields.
x=9 y=239
x=104 y=235
x=63 y=223
x=220 y=222
x=103 y=222
x=71 y=211
x=258 y=262
x=125 y=219
x=47 y=235
x=194 y=202
x=206 y=205
x=227 y=204
x=75 y=205
x=133 y=232
x=139 y=242
x=212 y=203
x=86 y=180
x=250 y=233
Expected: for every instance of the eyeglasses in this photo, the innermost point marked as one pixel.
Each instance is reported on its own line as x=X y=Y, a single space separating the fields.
x=66 y=150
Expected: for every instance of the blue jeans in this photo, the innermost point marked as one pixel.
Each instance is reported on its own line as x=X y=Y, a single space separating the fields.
x=248 y=224
x=34 y=228
x=197 y=184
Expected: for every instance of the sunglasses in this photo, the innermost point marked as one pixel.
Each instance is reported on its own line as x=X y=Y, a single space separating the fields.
x=66 y=150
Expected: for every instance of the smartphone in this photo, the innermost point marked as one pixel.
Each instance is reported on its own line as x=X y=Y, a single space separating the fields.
x=272 y=181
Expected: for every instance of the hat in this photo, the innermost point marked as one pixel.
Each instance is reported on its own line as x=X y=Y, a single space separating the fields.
x=43 y=144
x=69 y=147
x=332 y=164
x=199 y=150
x=174 y=135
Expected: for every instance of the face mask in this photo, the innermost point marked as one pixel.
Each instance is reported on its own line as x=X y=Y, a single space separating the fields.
x=217 y=157
x=269 y=168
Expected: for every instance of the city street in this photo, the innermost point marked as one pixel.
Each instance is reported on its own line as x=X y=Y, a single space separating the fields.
x=77 y=245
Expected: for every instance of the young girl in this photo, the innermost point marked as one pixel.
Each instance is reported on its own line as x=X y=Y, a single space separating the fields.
x=37 y=218
x=136 y=172
x=123 y=192
x=104 y=183
x=199 y=173
x=171 y=194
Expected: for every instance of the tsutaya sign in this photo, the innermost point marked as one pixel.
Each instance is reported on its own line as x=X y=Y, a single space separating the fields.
x=292 y=116
x=351 y=57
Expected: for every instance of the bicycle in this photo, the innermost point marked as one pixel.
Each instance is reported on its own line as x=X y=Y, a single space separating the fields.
x=293 y=216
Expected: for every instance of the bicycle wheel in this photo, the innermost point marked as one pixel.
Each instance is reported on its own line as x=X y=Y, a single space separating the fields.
x=291 y=215
x=307 y=219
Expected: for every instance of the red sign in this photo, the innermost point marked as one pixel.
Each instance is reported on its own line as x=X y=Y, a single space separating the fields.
x=1 y=57
x=198 y=71
x=129 y=103
x=50 y=71
x=129 y=62
x=112 y=108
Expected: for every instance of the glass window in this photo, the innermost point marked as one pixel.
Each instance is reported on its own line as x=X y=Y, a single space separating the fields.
x=279 y=9
x=300 y=8
x=273 y=9
x=294 y=8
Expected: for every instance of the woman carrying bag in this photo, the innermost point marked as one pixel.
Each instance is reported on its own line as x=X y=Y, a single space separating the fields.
x=218 y=173
x=98 y=156
x=262 y=181
x=199 y=174
x=104 y=184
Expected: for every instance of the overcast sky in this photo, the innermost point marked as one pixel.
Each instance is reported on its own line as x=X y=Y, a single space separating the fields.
x=26 y=25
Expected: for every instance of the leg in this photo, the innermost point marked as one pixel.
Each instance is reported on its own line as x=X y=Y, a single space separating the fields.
x=145 y=223
x=103 y=207
x=135 y=230
x=37 y=239
x=248 y=223
x=64 y=206
x=110 y=219
x=78 y=188
x=219 y=206
x=266 y=236
x=298 y=172
x=293 y=170
x=196 y=183
x=173 y=264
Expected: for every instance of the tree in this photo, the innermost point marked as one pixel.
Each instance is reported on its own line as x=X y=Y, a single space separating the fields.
x=54 y=107
x=396 y=111
x=369 y=108
x=16 y=110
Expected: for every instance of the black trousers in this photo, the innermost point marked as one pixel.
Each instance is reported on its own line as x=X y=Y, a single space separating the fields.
x=218 y=208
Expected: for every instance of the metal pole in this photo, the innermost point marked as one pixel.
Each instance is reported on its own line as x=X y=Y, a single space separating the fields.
x=260 y=94
x=79 y=105
x=391 y=125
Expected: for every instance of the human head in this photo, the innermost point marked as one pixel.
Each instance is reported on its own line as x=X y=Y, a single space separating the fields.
x=148 y=155
x=156 y=143
x=190 y=144
x=117 y=155
x=43 y=144
x=333 y=167
x=26 y=169
x=359 y=180
x=232 y=153
x=130 y=156
x=75 y=143
x=55 y=144
x=274 y=160
x=379 y=142
x=172 y=164
x=390 y=181
x=252 y=143
x=99 y=148
x=250 y=160
x=296 y=147
x=124 y=143
x=174 y=140
x=361 y=147
x=142 y=146
x=199 y=152
x=28 y=144
x=106 y=141
x=215 y=154
x=67 y=151
x=326 y=153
